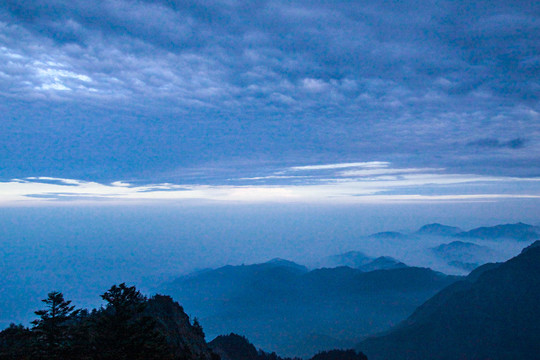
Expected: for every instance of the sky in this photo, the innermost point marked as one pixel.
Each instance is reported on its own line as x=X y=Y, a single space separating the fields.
x=366 y=101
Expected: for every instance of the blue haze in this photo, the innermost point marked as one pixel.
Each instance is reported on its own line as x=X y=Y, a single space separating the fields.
x=82 y=250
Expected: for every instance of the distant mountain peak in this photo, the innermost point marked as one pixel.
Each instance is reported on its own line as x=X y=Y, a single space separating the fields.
x=517 y=231
x=383 y=263
x=281 y=261
x=438 y=229
x=464 y=255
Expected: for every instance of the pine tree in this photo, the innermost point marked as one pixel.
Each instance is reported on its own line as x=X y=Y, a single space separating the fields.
x=52 y=326
x=123 y=332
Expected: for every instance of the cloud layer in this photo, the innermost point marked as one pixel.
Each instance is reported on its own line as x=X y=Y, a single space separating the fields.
x=369 y=182
x=150 y=89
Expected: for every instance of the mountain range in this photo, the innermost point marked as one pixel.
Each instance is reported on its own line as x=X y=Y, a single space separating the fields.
x=465 y=255
x=283 y=307
x=361 y=261
x=494 y=313
x=438 y=229
x=518 y=231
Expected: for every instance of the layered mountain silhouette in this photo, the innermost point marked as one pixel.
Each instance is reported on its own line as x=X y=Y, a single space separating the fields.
x=494 y=313
x=382 y=263
x=361 y=261
x=518 y=231
x=283 y=307
x=463 y=255
x=438 y=229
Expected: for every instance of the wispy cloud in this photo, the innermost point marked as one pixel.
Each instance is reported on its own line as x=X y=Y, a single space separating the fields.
x=378 y=182
x=369 y=164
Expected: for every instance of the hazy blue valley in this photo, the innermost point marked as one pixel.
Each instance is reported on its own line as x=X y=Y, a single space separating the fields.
x=292 y=282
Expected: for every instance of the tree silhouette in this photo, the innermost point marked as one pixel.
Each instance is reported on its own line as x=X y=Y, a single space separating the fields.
x=123 y=332
x=53 y=325
x=198 y=328
x=16 y=343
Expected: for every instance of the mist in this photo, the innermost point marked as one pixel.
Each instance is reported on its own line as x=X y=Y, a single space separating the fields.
x=83 y=250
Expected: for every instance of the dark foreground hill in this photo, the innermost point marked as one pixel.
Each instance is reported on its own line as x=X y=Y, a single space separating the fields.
x=129 y=327
x=236 y=347
x=493 y=314
x=282 y=307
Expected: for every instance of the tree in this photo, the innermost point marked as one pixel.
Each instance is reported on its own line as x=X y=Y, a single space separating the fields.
x=52 y=326
x=15 y=343
x=198 y=328
x=339 y=355
x=123 y=332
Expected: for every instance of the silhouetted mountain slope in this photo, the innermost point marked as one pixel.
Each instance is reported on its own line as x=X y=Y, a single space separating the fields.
x=359 y=260
x=438 y=229
x=493 y=314
x=236 y=347
x=228 y=282
x=473 y=275
x=171 y=321
x=280 y=308
x=518 y=231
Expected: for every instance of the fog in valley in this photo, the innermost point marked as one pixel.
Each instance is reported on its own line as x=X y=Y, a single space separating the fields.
x=82 y=250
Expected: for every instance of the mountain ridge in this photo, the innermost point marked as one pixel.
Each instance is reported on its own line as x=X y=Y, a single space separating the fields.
x=493 y=313
x=518 y=231
x=279 y=308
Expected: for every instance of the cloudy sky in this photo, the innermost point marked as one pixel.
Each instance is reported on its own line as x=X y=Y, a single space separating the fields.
x=269 y=100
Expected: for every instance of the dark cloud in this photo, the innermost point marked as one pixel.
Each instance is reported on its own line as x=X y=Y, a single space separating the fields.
x=516 y=143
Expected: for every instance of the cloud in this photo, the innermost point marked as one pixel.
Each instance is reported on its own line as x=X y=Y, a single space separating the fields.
x=516 y=143
x=381 y=185
x=385 y=171
x=368 y=164
x=144 y=87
